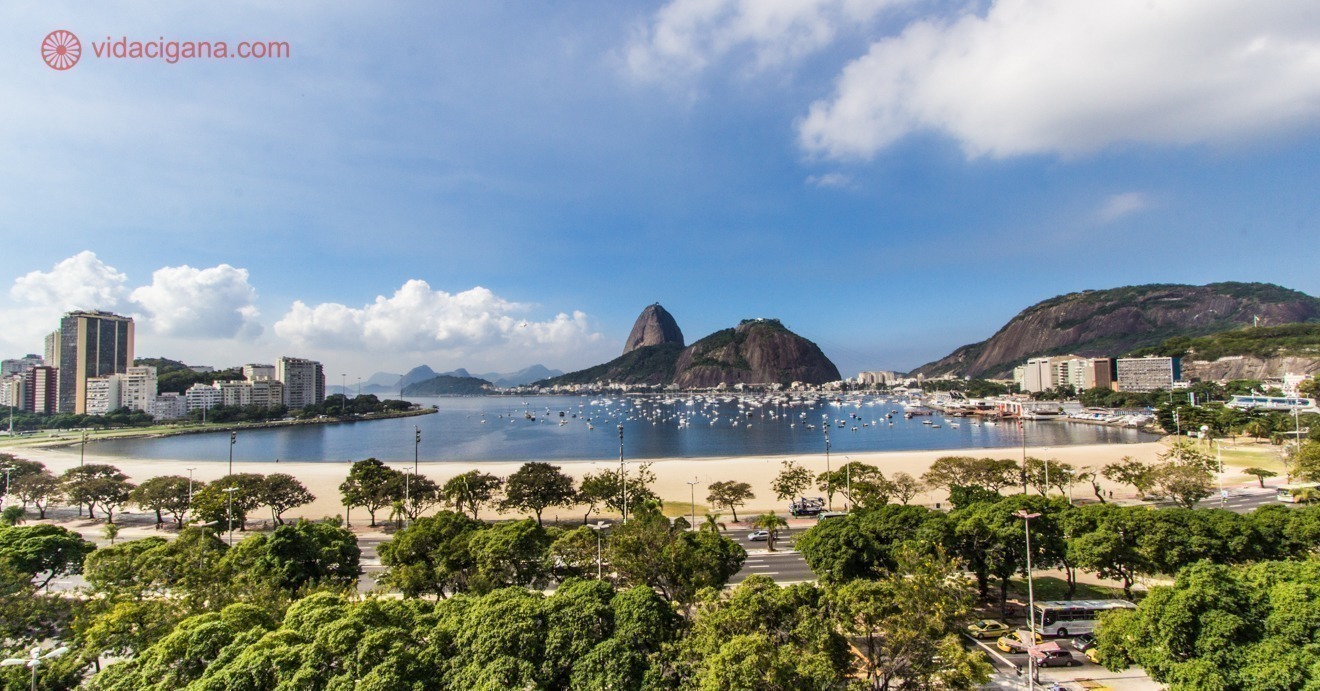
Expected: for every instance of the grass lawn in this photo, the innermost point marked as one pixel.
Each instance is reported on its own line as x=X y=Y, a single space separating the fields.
x=1051 y=588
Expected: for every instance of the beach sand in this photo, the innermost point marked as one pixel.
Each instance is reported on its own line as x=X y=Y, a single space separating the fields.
x=672 y=474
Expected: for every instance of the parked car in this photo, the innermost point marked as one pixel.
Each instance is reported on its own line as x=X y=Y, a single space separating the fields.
x=1011 y=643
x=1093 y=654
x=759 y=535
x=1084 y=642
x=987 y=628
x=1051 y=655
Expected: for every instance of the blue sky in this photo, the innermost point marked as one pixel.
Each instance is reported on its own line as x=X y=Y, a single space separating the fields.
x=493 y=185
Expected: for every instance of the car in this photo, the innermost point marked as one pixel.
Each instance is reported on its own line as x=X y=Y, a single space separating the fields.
x=759 y=535
x=987 y=628
x=1051 y=655
x=1084 y=642
x=1093 y=654
x=1013 y=644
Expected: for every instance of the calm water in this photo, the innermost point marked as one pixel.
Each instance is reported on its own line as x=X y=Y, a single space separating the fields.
x=498 y=429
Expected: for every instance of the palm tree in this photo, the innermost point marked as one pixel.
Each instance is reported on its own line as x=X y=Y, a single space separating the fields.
x=772 y=524
x=712 y=524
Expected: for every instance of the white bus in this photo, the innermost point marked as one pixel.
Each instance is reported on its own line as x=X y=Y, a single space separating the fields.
x=1071 y=617
x=1288 y=493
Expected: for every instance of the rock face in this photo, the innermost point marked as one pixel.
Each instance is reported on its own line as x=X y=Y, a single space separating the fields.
x=1097 y=323
x=758 y=351
x=1249 y=367
x=654 y=326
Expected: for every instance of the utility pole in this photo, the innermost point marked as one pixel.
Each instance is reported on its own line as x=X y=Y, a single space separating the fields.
x=1031 y=602
x=190 y=483
x=692 y=486
x=829 y=485
x=233 y=439
x=623 y=476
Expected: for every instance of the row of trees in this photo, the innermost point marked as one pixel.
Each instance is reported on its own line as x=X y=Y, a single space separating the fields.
x=862 y=485
x=104 y=487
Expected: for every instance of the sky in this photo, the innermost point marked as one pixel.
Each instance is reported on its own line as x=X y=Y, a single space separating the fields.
x=499 y=184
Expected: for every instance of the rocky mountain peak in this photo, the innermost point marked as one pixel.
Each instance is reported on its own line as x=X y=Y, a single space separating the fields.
x=654 y=326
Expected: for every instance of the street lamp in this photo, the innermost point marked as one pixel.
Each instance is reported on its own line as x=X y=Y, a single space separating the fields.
x=233 y=439
x=599 y=527
x=829 y=485
x=229 y=512
x=5 y=496
x=34 y=660
x=190 y=483
x=1031 y=600
x=623 y=476
x=692 y=487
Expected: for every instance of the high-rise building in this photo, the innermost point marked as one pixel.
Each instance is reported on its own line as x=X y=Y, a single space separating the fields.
x=53 y=349
x=41 y=390
x=92 y=344
x=11 y=391
x=137 y=389
x=255 y=372
x=304 y=381
x=18 y=366
x=101 y=395
x=1146 y=374
x=202 y=397
x=170 y=406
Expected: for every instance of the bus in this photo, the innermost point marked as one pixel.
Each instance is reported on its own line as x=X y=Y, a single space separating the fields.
x=1070 y=617
x=1288 y=493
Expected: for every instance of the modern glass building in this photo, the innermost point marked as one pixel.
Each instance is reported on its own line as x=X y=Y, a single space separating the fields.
x=92 y=344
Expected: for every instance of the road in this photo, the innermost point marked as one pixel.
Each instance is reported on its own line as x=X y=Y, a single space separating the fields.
x=1007 y=676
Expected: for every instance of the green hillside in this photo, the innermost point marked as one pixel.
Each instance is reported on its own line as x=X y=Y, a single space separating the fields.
x=1301 y=340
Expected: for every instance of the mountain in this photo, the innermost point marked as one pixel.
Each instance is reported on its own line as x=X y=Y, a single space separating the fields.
x=757 y=351
x=448 y=385
x=387 y=380
x=1096 y=323
x=522 y=377
x=654 y=326
x=418 y=374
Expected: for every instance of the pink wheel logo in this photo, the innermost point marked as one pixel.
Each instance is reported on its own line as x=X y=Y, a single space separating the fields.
x=61 y=49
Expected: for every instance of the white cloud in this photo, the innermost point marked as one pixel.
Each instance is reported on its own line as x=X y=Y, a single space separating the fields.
x=417 y=319
x=1042 y=76
x=1120 y=205
x=79 y=282
x=200 y=303
x=685 y=36
x=830 y=180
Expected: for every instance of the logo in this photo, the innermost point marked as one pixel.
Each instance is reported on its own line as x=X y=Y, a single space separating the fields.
x=61 y=49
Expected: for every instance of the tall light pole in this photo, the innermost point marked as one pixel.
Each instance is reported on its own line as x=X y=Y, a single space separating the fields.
x=692 y=487
x=82 y=451
x=229 y=512
x=623 y=476
x=417 y=443
x=34 y=661
x=599 y=527
x=1031 y=600
x=233 y=439
x=190 y=478
x=829 y=485
x=6 y=494
x=847 y=474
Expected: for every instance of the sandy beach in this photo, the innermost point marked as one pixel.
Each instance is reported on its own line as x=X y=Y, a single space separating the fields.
x=672 y=475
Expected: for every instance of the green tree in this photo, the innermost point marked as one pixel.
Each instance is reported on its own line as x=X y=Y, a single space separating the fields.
x=1184 y=484
x=215 y=504
x=1112 y=548
x=771 y=524
x=730 y=494
x=791 y=482
x=298 y=555
x=468 y=492
x=648 y=551
x=1044 y=475
x=420 y=494
x=1261 y=474
x=38 y=489
x=906 y=625
x=906 y=487
x=1130 y=471
x=12 y=515
x=574 y=554
x=863 y=485
x=371 y=485
x=282 y=492
x=536 y=487
x=603 y=490
x=511 y=554
x=165 y=493
x=43 y=549
x=86 y=485
x=431 y=556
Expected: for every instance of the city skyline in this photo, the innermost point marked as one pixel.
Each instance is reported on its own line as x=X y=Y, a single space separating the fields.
x=496 y=187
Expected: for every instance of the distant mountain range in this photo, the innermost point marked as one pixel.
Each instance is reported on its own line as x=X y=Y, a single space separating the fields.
x=1099 y=323
x=757 y=351
x=384 y=383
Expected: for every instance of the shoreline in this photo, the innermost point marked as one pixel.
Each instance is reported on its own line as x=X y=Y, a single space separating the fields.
x=673 y=475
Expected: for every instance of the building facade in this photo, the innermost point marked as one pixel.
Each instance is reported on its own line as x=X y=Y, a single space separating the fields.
x=92 y=344
x=303 y=380
x=170 y=406
x=41 y=390
x=255 y=372
x=1146 y=374
x=202 y=397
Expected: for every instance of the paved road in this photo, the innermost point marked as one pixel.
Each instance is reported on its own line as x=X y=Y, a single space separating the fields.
x=1007 y=676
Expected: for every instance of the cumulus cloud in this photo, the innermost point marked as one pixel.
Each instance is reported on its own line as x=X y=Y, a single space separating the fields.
x=79 y=282
x=200 y=303
x=417 y=318
x=1069 y=78
x=685 y=36
x=1120 y=205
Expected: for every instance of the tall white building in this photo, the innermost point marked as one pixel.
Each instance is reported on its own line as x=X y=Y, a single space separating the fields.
x=170 y=406
x=255 y=372
x=303 y=380
x=137 y=389
x=202 y=397
x=102 y=395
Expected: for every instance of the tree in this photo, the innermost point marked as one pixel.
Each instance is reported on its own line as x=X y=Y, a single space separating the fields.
x=12 y=515
x=992 y=474
x=1261 y=474
x=371 y=485
x=109 y=493
x=165 y=493
x=282 y=492
x=712 y=524
x=420 y=494
x=1306 y=462
x=468 y=492
x=510 y=554
x=574 y=554
x=297 y=555
x=1093 y=477
x=648 y=551
x=431 y=556
x=771 y=524
x=906 y=487
x=38 y=489
x=730 y=494
x=43 y=549
x=1048 y=474
x=1112 y=548
x=862 y=484
x=791 y=482
x=111 y=532
x=537 y=486
x=1185 y=484
x=1130 y=471
x=78 y=486
x=602 y=489
x=906 y=625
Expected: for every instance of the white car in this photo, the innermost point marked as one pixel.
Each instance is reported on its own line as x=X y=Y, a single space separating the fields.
x=759 y=535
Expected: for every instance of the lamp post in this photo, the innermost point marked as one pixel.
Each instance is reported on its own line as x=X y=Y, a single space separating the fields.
x=623 y=476
x=33 y=661
x=190 y=483
x=1219 y=455
x=229 y=512
x=829 y=485
x=1031 y=600
x=599 y=527
x=233 y=439
x=847 y=475
x=5 y=497
x=692 y=487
